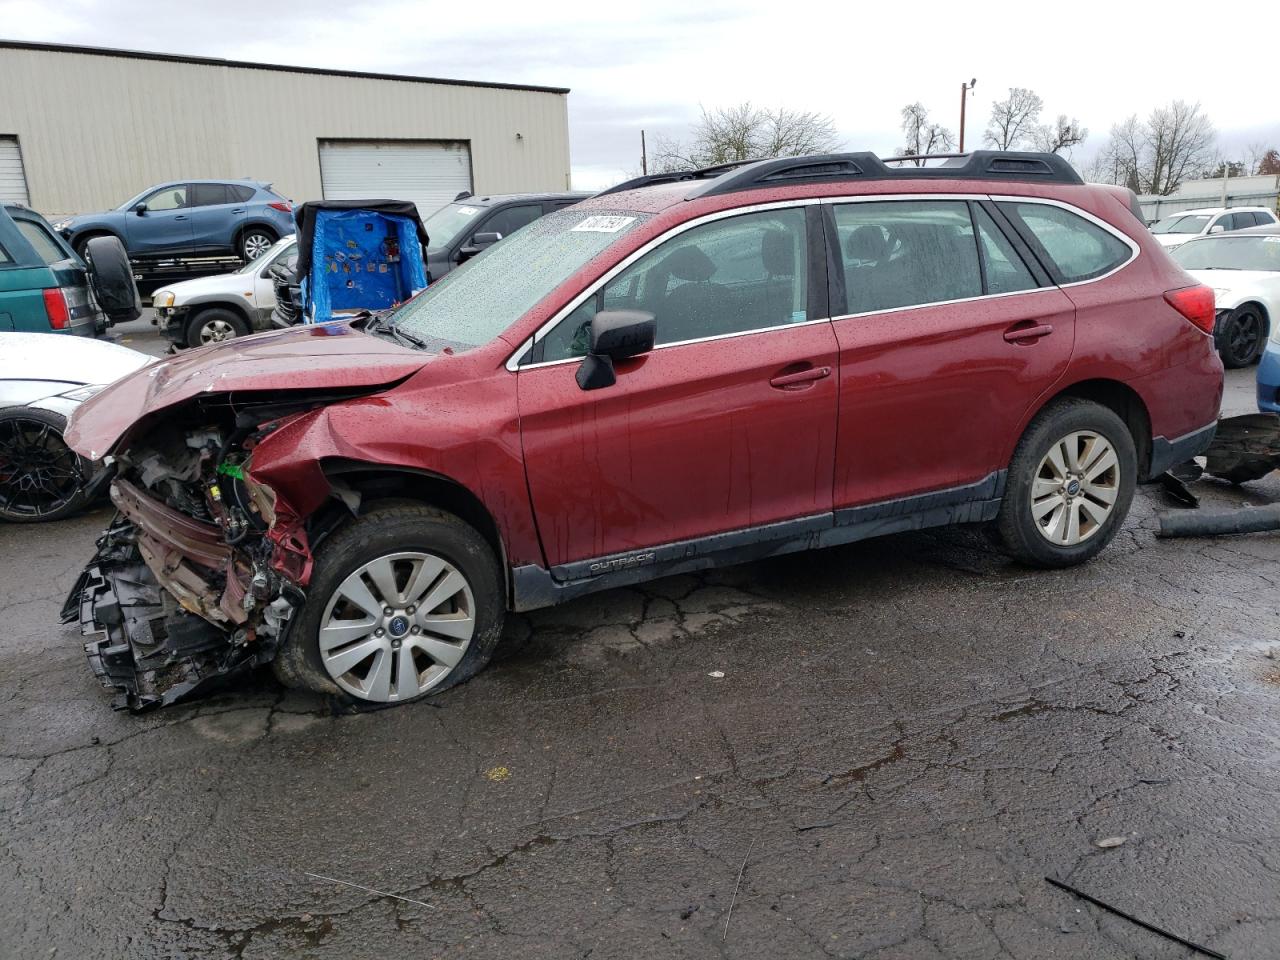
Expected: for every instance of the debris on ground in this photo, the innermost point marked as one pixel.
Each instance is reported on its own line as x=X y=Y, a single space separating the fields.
x=1107 y=843
x=1212 y=524
x=1244 y=448
x=1190 y=945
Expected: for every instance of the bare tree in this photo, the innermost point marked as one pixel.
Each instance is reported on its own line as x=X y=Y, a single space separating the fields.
x=1014 y=118
x=1253 y=155
x=745 y=132
x=1062 y=134
x=1270 y=163
x=1175 y=143
x=923 y=136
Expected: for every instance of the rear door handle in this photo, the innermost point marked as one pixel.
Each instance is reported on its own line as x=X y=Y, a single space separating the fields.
x=181 y=216
x=238 y=210
x=1033 y=331
x=787 y=381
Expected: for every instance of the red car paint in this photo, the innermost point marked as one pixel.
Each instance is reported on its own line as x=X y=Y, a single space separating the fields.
x=696 y=441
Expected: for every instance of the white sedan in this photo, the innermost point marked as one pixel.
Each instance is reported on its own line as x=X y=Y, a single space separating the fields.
x=1243 y=268
x=43 y=378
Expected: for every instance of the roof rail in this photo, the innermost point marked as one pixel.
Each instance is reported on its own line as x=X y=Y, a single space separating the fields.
x=675 y=176
x=978 y=165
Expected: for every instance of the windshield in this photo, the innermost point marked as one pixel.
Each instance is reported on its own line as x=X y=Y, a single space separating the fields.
x=1230 y=253
x=474 y=303
x=444 y=226
x=265 y=258
x=1191 y=224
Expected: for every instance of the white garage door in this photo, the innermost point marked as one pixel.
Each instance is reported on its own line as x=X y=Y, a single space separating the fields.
x=13 y=183
x=428 y=172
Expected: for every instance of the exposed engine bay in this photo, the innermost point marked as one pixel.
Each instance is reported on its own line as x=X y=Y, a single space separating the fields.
x=195 y=579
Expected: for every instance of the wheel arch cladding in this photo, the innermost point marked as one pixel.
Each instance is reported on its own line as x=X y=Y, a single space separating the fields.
x=378 y=482
x=1122 y=400
x=262 y=225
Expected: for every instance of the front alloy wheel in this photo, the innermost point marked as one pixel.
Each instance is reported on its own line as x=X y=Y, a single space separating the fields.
x=397 y=626
x=1075 y=488
x=215 y=331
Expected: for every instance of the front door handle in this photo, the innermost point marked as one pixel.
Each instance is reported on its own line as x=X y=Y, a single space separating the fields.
x=181 y=216
x=1031 y=331
x=792 y=381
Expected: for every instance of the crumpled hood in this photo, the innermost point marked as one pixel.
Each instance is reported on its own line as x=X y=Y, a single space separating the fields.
x=325 y=356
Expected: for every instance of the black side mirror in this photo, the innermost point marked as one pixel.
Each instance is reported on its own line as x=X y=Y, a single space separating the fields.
x=478 y=243
x=615 y=335
x=139 y=208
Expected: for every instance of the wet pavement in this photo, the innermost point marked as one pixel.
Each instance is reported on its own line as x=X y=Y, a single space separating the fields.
x=891 y=745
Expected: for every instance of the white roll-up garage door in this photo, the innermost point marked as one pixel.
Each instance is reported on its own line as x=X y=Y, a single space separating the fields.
x=428 y=172
x=13 y=183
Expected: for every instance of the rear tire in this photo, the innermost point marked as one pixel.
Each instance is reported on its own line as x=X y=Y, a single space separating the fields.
x=215 y=325
x=1059 y=516
x=349 y=563
x=256 y=241
x=1240 y=336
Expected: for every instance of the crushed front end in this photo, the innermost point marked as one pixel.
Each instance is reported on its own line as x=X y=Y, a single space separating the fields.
x=190 y=584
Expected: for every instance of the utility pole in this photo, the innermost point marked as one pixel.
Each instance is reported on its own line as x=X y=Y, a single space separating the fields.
x=644 y=156
x=964 y=97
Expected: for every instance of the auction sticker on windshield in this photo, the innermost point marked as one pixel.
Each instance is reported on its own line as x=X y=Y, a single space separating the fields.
x=603 y=224
x=468 y=211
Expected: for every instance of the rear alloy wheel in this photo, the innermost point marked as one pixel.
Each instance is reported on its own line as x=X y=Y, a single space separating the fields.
x=214 y=326
x=1240 y=337
x=1069 y=486
x=255 y=243
x=41 y=478
x=406 y=600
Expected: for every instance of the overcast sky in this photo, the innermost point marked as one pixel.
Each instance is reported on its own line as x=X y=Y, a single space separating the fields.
x=651 y=64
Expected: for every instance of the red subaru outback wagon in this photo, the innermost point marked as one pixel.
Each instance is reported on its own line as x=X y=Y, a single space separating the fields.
x=690 y=370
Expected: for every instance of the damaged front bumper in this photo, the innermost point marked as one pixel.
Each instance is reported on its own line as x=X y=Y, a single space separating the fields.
x=170 y=609
x=144 y=646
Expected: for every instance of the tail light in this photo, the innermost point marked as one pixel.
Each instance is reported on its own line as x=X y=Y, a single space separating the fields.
x=281 y=205
x=55 y=305
x=1194 y=303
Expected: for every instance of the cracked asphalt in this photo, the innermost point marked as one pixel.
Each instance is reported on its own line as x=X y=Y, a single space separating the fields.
x=894 y=743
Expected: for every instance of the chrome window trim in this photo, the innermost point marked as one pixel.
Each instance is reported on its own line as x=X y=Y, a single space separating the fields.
x=513 y=361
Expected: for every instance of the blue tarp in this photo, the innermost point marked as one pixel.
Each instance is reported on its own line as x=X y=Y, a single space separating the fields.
x=361 y=260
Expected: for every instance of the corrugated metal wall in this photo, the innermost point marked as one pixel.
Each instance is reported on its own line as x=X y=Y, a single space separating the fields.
x=96 y=129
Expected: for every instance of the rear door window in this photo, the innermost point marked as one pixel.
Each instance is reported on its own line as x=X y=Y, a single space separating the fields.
x=46 y=247
x=904 y=253
x=207 y=195
x=1004 y=269
x=1073 y=248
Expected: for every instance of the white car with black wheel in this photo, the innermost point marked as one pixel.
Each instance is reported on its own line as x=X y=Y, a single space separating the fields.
x=1243 y=268
x=207 y=310
x=43 y=378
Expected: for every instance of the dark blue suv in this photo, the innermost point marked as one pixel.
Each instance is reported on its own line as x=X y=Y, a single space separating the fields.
x=190 y=217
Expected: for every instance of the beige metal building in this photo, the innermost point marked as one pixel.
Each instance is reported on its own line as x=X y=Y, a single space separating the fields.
x=85 y=128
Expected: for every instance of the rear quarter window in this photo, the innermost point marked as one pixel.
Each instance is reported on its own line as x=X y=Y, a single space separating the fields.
x=1074 y=248
x=46 y=247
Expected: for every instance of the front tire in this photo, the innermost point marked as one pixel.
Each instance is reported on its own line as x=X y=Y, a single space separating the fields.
x=214 y=326
x=1240 y=336
x=1070 y=484
x=405 y=601
x=41 y=478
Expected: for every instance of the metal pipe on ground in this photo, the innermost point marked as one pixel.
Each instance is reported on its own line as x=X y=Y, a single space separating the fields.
x=1202 y=524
